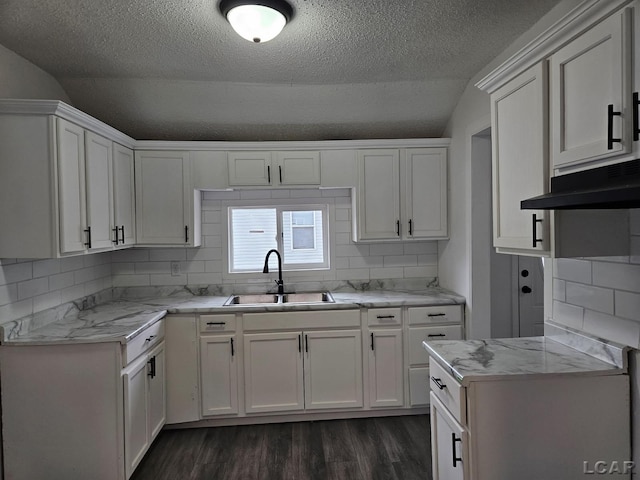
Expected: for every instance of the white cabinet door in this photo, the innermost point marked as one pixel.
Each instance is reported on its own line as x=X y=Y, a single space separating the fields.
x=98 y=170
x=333 y=369
x=448 y=444
x=419 y=386
x=71 y=187
x=136 y=404
x=273 y=372
x=378 y=196
x=298 y=168
x=386 y=386
x=425 y=193
x=157 y=391
x=124 y=198
x=520 y=166
x=250 y=168
x=219 y=375
x=164 y=199
x=588 y=81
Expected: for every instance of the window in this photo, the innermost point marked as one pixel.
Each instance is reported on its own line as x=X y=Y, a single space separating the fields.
x=299 y=233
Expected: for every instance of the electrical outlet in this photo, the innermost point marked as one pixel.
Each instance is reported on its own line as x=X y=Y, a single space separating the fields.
x=175 y=269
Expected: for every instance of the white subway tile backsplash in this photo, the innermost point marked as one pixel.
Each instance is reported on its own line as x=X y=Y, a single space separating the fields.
x=421 y=248
x=212 y=266
x=132 y=255
x=213 y=215
x=203 y=253
x=569 y=315
x=167 y=279
x=131 y=281
x=16 y=272
x=166 y=254
x=306 y=193
x=153 y=267
x=573 y=270
x=343 y=239
x=32 y=288
x=123 y=268
x=428 y=259
x=386 y=272
x=634 y=221
x=280 y=194
x=343 y=227
x=387 y=249
x=353 y=274
x=612 y=328
x=588 y=296
x=401 y=261
x=635 y=250
x=559 y=290
x=8 y=293
x=427 y=271
x=204 y=278
x=61 y=280
x=627 y=305
x=72 y=293
x=342 y=215
x=352 y=250
x=365 y=262
x=46 y=301
x=617 y=275
x=44 y=268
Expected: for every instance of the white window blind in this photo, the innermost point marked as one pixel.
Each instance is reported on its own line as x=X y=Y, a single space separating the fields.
x=298 y=232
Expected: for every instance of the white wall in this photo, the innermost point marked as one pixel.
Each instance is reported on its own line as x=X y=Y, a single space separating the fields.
x=20 y=78
x=401 y=261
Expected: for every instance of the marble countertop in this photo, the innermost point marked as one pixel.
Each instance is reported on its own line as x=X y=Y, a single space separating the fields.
x=492 y=359
x=122 y=320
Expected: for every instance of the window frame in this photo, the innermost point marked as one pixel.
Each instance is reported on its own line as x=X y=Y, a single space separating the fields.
x=281 y=207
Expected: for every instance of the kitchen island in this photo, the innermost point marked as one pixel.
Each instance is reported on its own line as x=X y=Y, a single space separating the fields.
x=530 y=408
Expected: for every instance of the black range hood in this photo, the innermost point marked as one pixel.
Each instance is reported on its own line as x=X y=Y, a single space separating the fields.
x=611 y=186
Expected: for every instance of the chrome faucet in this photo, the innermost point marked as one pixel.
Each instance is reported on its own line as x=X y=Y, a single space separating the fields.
x=279 y=282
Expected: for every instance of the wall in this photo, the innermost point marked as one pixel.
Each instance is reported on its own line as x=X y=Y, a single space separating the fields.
x=20 y=78
x=399 y=262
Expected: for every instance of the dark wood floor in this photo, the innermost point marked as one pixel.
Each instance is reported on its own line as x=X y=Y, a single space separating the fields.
x=393 y=448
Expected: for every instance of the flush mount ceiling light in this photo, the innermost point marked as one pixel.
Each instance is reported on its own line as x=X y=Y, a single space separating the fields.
x=259 y=20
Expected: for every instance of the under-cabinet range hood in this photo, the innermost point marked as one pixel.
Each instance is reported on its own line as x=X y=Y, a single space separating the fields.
x=611 y=186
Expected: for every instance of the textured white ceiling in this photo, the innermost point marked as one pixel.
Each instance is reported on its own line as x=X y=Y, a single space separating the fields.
x=341 y=69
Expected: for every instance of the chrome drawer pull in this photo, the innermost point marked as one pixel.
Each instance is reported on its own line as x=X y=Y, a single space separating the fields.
x=438 y=382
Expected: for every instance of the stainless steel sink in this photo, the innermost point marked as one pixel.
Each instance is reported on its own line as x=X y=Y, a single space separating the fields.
x=308 y=297
x=259 y=299
x=272 y=298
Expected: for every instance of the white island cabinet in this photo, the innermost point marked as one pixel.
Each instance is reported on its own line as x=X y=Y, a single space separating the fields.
x=527 y=408
x=82 y=410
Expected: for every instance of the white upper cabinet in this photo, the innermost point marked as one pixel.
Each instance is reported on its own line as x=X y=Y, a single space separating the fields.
x=274 y=168
x=167 y=208
x=124 y=208
x=425 y=192
x=378 y=195
x=401 y=194
x=520 y=161
x=98 y=164
x=590 y=98
x=71 y=187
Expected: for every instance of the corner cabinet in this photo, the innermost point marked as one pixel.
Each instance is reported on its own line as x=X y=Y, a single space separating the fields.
x=520 y=162
x=401 y=195
x=102 y=403
x=167 y=207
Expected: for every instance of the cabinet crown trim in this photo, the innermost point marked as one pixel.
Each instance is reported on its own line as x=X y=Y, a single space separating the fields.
x=63 y=110
x=575 y=22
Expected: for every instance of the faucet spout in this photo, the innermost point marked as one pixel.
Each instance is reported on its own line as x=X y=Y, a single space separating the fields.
x=279 y=282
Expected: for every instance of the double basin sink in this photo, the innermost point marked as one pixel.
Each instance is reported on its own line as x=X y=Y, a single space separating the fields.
x=275 y=298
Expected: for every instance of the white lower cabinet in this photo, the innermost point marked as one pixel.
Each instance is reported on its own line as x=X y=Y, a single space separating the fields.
x=144 y=405
x=444 y=322
x=219 y=374
x=289 y=371
x=524 y=427
x=386 y=386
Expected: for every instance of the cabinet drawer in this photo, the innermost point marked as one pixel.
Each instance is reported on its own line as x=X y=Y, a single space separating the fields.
x=147 y=339
x=217 y=323
x=448 y=391
x=384 y=316
x=417 y=353
x=436 y=314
